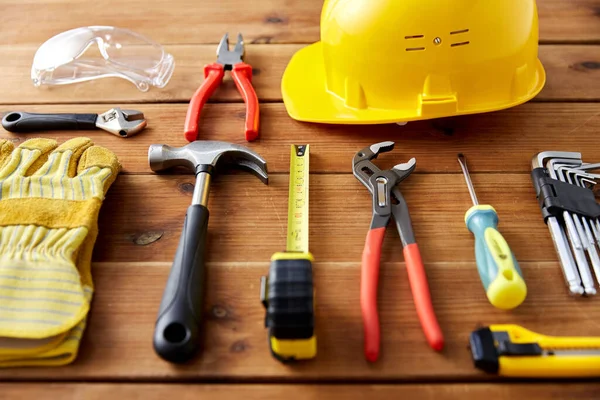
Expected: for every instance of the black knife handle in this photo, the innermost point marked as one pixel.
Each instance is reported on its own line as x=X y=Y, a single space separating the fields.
x=177 y=332
x=22 y=122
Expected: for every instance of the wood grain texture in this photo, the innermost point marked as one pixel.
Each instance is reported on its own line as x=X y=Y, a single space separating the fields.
x=264 y=21
x=18 y=391
x=569 y=21
x=573 y=73
x=504 y=141
x=141 y=218
x=118 y=341
x=131 y=277
x=248 y=219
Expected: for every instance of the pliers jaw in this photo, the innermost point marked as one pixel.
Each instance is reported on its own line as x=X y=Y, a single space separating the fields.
x=229 y=58
x=364 y=169
x=387 y=199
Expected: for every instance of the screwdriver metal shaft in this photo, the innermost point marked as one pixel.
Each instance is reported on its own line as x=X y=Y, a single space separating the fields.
x=463 y=165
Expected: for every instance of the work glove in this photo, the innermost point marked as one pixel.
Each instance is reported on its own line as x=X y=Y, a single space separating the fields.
x=50 y=198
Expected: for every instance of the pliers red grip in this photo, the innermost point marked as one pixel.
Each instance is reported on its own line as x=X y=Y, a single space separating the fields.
x=213 y=77
x=382 y=185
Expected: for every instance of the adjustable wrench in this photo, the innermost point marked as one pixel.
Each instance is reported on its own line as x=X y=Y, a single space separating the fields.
x=122 y=123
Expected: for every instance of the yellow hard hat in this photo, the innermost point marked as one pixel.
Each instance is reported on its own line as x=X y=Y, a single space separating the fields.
x=382 y=61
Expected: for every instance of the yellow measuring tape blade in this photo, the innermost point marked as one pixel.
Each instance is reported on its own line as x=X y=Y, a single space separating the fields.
x=297 y=231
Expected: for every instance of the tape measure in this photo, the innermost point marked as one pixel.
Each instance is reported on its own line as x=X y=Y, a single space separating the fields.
x=297 y=231
x=287 y=292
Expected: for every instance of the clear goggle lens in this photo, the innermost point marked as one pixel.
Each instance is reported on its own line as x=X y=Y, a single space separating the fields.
x=95 y=52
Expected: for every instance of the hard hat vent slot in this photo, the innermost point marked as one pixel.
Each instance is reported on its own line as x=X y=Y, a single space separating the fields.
x=459 y=44
x=409 y=37
x=464 y=43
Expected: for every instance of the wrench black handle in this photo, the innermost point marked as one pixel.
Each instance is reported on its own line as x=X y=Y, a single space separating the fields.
x=23 y=122
x=177 y=331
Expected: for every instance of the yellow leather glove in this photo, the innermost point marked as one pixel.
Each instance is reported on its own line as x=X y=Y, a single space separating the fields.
x=49 y=203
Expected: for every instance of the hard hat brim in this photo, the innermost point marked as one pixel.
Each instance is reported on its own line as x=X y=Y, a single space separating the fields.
x=306 y=97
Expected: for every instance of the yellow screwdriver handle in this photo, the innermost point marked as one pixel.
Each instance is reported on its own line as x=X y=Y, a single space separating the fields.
x=498 y=269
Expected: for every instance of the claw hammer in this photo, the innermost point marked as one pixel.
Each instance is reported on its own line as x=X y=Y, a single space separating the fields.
x=177 y=330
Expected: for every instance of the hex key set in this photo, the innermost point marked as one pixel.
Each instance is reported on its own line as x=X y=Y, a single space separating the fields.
x=563 y=184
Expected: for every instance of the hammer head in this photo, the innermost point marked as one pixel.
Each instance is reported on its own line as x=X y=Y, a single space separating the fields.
x=204 y=155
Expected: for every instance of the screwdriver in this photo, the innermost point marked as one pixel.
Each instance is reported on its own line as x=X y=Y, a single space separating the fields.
x=498 y=269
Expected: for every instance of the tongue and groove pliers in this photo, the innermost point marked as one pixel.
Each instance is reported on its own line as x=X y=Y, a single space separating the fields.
x=227 y=60
x=387 y=202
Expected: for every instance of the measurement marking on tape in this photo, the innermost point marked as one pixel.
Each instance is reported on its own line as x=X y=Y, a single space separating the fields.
x=297 y=233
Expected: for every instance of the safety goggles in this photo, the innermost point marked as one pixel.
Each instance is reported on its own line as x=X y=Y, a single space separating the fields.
x=71 y=57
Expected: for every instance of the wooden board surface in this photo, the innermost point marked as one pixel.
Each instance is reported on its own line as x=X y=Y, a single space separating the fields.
x=248 y=220
x=573 y=73
x=504 y=141
x=118 y=341
x=264 y=21
x=142 y=216
x=298 y=392
x=136 y=245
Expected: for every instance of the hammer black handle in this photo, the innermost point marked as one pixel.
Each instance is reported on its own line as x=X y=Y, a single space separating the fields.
x=22 y=122
x=177 y=331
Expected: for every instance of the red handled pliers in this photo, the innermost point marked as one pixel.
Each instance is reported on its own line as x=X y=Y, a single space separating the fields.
x=388 y=201
x=213 y=76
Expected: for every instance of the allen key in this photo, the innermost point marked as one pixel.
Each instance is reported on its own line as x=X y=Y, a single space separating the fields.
x=575 y=230
x=557 y=231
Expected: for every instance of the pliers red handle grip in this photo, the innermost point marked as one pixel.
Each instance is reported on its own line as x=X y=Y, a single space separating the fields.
x=388 y=202
x=369 y=281
x=213 y=74
x=368 y=294
x=242 y=76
